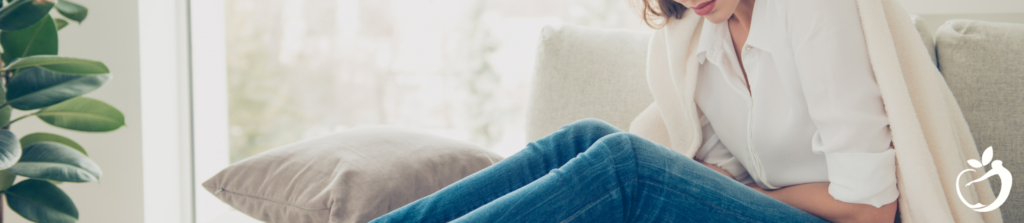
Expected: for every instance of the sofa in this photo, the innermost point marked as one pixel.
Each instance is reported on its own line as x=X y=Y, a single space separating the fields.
x=599 y=73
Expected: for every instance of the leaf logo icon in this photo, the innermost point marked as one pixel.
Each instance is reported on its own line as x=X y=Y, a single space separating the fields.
x=986 y=158
x=997 y=170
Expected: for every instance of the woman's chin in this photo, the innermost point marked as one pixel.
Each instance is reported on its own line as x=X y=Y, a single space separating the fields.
x=716 y=19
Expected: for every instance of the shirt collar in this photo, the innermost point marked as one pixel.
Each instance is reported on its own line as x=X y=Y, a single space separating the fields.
x=759 y=30
x=711 y=35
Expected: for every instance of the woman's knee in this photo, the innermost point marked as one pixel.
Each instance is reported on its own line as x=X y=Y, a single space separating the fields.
x=622 y=142
x=652 y=159
x=578 y=136
x=592 y=126
x=574 y=138
x=645 y=149
x=630 y=139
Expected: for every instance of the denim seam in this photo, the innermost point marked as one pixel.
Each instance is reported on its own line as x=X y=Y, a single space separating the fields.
x=589 y=206
x=549 y=198
x=636 y=167
x=700 y=200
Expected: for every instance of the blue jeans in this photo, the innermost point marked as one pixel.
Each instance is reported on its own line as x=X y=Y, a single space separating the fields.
x=590 y=171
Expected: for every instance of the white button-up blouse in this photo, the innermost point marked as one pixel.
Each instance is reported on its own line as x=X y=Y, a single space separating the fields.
x=813 y=112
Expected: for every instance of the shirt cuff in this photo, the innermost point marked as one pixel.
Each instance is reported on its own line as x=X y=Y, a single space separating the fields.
x=863 y=178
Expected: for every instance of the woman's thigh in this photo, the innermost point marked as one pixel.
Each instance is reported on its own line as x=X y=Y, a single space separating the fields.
x=481 y=188
x=624 y=178
x=674 y=188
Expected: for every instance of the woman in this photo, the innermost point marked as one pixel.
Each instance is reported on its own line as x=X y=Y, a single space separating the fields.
x=793 y=131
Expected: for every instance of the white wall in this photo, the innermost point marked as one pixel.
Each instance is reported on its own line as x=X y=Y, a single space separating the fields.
x=109 y=34
x=166 y=153
x=210 y=105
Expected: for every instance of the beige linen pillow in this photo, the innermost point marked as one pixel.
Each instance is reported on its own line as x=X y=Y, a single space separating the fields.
x=352 y=176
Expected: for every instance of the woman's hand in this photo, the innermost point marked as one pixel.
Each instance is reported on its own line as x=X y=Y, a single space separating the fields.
x=815 y=199
x=716 y=168
x=758 y=189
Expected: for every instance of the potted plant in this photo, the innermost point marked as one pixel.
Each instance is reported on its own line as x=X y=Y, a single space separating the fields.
x=35 y=79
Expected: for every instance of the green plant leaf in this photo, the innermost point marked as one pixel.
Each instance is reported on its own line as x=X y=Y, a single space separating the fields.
x=48 y=137
x=41 y=201
x=23 y=13
x=83 y=114
x=60 y=23
x=37 y=39
x=72 y=10
x=5 y=111
x=10 y=149
x=35 y=87
x=5 y=115
x=6 y=180
x=59 y=64
x=54 y=182
x=55 y=161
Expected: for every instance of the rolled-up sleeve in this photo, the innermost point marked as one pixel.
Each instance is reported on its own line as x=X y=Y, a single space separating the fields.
x=844 y=101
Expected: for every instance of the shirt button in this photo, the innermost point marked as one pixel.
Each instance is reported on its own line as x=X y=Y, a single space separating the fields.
x=748 y=48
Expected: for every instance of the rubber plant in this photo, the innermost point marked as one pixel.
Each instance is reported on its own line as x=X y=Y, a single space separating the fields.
x=48 y=87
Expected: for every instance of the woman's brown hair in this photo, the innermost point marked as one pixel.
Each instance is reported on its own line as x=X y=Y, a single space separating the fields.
x=657 y=12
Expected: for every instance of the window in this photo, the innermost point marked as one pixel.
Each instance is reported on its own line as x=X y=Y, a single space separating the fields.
x=456 y=68
x=304 y=68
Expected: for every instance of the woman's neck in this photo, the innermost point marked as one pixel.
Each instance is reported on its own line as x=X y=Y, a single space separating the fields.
x=744 y=10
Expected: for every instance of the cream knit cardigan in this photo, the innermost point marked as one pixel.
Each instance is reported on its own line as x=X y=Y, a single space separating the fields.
x=929 y=132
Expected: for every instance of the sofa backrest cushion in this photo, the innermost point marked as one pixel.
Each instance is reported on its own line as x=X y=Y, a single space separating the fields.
x=983 y=63
x=587 y=73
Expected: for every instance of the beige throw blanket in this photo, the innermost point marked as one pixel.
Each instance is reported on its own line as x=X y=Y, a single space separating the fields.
x=929 y=132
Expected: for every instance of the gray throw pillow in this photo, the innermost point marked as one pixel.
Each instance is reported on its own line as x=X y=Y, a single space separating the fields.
x=352 y=176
